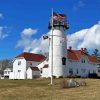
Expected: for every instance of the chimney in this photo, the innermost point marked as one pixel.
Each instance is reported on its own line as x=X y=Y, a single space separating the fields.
x=70 y=48
x=81 y=49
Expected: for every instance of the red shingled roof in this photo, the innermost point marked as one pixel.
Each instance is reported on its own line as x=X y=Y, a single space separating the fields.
x=45 y=66
x=71 y=55
x=32 y=57
x=76 y=55
x=35 y=69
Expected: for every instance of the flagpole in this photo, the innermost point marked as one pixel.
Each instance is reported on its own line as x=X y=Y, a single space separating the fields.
x=52 y=51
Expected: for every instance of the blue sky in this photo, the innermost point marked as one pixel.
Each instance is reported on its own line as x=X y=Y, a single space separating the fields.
x=17 y=15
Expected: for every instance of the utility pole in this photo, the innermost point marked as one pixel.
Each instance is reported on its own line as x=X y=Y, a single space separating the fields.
x=52 y=51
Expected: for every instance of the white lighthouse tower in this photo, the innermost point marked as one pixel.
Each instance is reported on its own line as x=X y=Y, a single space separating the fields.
x=58 y=45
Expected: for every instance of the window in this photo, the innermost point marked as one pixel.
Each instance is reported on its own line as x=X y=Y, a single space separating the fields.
x=70 y=71
x=19 y=70
x=89 y=71
x=30 y=63
x=19 y=62
x=99 y=69
x=41 y=70
x=83 y=60
x=5 y=72
x=63 y=61
x=94 y=71
x=77 y=71
x=83 y=70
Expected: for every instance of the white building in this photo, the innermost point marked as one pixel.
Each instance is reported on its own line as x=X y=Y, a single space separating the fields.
x=7 y=72
x=44 y=71
x=33 y=72
x=81 y=63
x=22 y=62
x=78 y=63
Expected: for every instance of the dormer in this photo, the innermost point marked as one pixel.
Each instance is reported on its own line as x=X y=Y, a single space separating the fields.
x=84 y=59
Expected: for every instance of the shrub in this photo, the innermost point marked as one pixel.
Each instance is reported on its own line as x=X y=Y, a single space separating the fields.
x=54 y=76
x=36 y=76
x=73 y=76
x=92 y=75
x=60 y=76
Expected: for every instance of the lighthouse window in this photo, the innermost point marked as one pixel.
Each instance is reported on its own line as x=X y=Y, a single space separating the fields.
x=63 y=61
x=19 y=70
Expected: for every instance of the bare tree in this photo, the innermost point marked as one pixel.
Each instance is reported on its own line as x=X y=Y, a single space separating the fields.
x=5 y=64
x=96 y=52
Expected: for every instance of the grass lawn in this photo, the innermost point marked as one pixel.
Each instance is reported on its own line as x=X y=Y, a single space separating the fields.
x=38 y=89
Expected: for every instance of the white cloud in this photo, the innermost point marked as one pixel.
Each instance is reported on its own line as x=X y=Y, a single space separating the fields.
x=29 y=31
x=1 y=15
x=99 y=22
x=3 y=32
x=86 y=38
x=26 y=38
x=32 y=45
x=79 y=5
x=41 y=46
x=76 y=38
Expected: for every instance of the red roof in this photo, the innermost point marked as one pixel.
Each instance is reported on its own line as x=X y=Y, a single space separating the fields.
x=32 y=57
x=71 y=55
x=45 y=66
x=76 y=55
x=35 y=69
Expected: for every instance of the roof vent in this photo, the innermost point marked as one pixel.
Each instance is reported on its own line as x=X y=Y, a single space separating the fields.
x=70 y=48
x=81 y=49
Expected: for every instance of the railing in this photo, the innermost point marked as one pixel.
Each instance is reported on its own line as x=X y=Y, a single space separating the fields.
x=55 y=23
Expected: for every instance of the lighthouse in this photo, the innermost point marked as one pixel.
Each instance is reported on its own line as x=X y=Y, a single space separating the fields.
x=58 y=45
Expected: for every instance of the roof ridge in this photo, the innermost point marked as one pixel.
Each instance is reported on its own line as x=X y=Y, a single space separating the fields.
x=31 y=56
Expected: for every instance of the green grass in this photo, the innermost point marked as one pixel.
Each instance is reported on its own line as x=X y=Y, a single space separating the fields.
x=38 y=89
